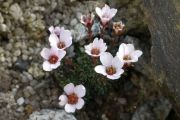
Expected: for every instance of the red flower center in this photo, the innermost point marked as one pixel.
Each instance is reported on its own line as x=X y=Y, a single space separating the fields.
x=110 y=70
x=61 y=45
x=72 y=98
x=127 y=57
x=53 y=59
x=95 y=51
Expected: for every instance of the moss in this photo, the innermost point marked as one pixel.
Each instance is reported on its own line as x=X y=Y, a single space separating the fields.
x=82 y=72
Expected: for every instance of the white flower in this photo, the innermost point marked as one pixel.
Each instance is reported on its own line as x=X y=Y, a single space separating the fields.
x=128 y=54
x=72 y=99
x=52 y=58
x=87 y=20
x=106 y=13
x=111 y=66
x=96 y=48
x=55 y=30
x=62 y=40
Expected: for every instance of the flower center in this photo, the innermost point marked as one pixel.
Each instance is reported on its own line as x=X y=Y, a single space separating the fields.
x=72 y=98
x=95 y=51
x=61 y=45
x=53 y=59
x=127 y=57
x=105 y=16
x=110 y=70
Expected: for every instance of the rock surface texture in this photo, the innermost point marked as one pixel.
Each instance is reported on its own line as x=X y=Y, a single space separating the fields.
x=47 y=114
x=164 y=26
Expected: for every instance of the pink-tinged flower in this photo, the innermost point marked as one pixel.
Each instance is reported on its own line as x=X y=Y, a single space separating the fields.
x=72 y=99
x=55 y=30
x=87 y=20
x=52 y=58
x=128 y=54
x=96 y=48
x=61 y=41
x=111 y=66
x=106 y=13
x=118 y=27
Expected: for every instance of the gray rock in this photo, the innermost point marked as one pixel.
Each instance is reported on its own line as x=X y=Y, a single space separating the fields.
x=21 y=65
x=73 y=22
x=47 y=114
x=15 y=11
x=3 y=28
x=153 y=110
x=1 y=19
x=20 y=101
x=79 y=32
x=5 y=80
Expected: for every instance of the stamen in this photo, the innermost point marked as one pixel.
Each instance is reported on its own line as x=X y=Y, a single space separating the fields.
x=127 y=57
x=61 y=45
x=110 y=70
x=53 y=59
x=72 y=98
x=95 y=51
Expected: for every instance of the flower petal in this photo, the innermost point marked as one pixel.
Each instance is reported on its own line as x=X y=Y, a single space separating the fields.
x=68 y=42
x=106 y=58
x=45 y=53
x=129 y=49
x=53 y=39
x=70 y=108
x=137 y=53
x=61 y=54
x=63 y=100
x=51 y=29
x=113 y=77
x=54 y=66
x=95 y=43
x=113 y=12
x=119 y=71
x=46 y=66
x=121 y=51
x=80 y=91
x=98 y=11
x=88 y=47
x=100 y=69
x=117 y=63
x=69 y=88
x=80 y=103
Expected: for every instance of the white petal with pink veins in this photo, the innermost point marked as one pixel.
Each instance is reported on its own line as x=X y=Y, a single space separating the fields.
x=63 y=100
x=45 y=53
x=69 y=88
x=80 y=103
x=46 y=66
x=70 y=108
x=80 y=90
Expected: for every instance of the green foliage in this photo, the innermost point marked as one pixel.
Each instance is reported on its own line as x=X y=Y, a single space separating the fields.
x=82 y=72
